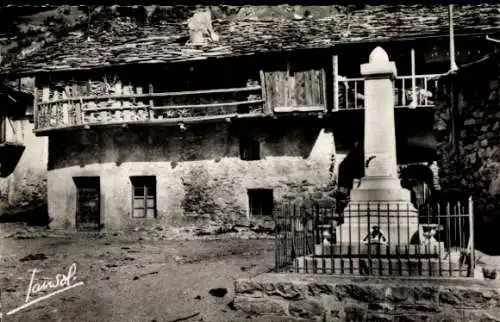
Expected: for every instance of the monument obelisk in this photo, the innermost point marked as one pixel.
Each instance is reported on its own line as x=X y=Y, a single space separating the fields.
x=380 y=200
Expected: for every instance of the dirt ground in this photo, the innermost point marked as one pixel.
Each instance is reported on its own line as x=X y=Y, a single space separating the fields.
x=128 y=277
x=134 y=276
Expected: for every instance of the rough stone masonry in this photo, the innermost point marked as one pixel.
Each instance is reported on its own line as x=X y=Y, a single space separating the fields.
x=467 y=126
x=330 y=298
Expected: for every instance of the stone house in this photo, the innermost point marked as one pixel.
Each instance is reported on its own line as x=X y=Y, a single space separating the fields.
x=467 y=127
x=23 y=155
x=218 y=122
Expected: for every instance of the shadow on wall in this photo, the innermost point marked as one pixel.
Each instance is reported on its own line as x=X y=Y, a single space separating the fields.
x=35 y=215
x=290 y=137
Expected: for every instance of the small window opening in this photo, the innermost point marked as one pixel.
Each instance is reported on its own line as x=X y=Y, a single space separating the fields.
x=261 y=202
x=249 y=149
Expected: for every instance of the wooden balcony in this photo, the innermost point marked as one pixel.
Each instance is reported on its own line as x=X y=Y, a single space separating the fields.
x=417 y=91
x=131 y=107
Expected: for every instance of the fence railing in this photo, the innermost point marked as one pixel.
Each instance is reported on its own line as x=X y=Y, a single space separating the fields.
x=377 y=239
x=54 y=111
x=409 y=91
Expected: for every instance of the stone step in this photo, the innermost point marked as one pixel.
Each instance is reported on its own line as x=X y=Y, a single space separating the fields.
x=381 y=267
x=339 y=250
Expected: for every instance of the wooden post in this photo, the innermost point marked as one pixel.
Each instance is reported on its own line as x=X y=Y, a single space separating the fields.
x=323 y=83
x=47 y=112
x=335 y=68
x=35 y=105
x=287 y=83
x=45 y=94
x=453 y=64
x=413 y=81
x=151 y=102
x=266 y=104
x=3 y=129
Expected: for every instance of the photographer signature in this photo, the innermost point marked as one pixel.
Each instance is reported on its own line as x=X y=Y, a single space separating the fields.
x=61 y=283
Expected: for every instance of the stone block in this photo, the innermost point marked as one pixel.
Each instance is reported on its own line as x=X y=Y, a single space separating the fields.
x=359 y=292
x=381 y=306
x=407 y=316
x=309 y=309
x=412 y=295
x=355 y=312
x=379 y=317
x=469 y=122
x=285 y=290
x=494 y=84
x=471 y=298
x=245 y=286
x=478 y=114
x=260 y=306
x=316 y=289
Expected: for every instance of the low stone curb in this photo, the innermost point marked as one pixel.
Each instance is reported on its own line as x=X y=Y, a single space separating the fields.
x=329 y=298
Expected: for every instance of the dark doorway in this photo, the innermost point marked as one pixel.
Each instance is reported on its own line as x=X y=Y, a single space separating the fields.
x=88 y=210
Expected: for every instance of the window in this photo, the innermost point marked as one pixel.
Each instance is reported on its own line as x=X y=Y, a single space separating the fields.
x=144 y=197
x=249 y=149
x=260 y=202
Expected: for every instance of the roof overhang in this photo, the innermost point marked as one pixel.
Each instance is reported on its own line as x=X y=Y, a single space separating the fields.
x=19 y=72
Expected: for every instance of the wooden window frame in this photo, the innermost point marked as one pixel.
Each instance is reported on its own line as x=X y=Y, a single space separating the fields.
x=148 y=184
x=261 y=203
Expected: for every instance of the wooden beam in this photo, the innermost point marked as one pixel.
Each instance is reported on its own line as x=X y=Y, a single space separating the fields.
x=263 y=85
x=35 y=105
x=156 y=122
x=335 y=72
x=151 y=102
x=492 y=39
x=45 y=94
x=207 y=105
x=453 y=64
x=287 y=109
x=413 y=81
x=323 y=76
x=151 y=94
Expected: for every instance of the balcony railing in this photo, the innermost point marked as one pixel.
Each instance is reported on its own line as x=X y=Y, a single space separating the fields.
x=54 y=112
x=409 y=91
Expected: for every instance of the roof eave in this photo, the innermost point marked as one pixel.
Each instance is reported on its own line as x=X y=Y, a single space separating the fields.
x=17 y=73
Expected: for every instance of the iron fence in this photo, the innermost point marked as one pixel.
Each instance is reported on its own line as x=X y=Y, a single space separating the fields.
x=379 y=238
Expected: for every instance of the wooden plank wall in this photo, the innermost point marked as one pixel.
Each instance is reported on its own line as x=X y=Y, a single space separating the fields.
x=289 y=88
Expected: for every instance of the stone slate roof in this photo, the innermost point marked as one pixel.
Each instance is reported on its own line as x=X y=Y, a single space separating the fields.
x=129 y=43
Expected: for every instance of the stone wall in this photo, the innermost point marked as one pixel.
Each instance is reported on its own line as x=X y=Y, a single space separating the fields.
x=26 y=187
x=329 y=298
x=201 y=179
x=469 y=150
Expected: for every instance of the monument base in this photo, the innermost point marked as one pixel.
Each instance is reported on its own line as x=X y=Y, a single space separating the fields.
x=397 y=221
x=380 y=189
